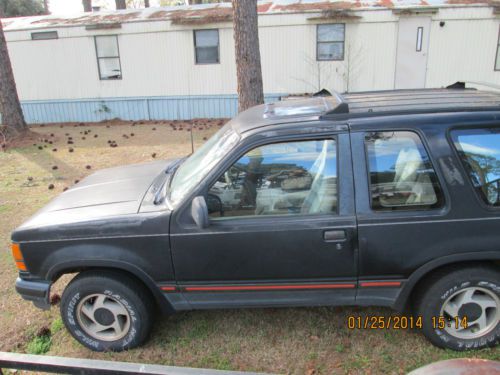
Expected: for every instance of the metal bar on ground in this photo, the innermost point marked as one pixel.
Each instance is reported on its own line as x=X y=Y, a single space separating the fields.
x=64 y=365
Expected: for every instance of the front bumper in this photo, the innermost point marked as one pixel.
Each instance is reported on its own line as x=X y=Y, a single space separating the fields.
x=35 y=291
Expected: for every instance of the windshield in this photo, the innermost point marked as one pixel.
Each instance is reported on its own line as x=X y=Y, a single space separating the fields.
x=195 y=168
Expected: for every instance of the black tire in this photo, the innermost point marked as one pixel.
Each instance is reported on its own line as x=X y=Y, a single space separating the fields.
x=116 y=289
x=443 y=286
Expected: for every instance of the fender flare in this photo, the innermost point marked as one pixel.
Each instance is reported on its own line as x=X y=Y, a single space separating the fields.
x=427 y=268
x=68 y=266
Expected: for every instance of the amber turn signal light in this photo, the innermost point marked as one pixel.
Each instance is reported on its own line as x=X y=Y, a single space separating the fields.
x=18 y=257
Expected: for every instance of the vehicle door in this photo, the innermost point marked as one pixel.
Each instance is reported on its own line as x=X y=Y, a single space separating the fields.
x=282 y=226
x=401 y=203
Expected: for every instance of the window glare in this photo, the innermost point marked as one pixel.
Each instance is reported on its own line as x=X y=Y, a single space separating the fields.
x=109 y=68
x=401 y=175
x=330 y=39
x=331 y=33
x=206 y=46
x=479 y=150
x=206 y=38
x=192 y=171
x=108 y=57
x=278 y=179
x=107 y=46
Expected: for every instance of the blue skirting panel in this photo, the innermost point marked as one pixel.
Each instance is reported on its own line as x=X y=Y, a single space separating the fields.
x=134 y=108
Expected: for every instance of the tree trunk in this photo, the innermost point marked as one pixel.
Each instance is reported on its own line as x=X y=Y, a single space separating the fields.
x=87 y=5
x=46 y=6
x=146 y=3
x=12 y=115
x=246 y=41
x=121 y=4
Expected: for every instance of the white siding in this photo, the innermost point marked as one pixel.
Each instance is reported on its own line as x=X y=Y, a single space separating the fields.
x=153 y=64
x=157 y=59
x=463 y=50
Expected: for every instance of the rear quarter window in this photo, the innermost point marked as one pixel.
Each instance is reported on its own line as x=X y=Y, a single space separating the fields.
x=479 y=152
x=401 y=174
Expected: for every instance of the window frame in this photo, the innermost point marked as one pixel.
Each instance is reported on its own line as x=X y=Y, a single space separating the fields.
x=108 y=57
x=252 y=146
x=440 y=193
x=318 y=42
x=196 y=62
x=41 y=33
x=464 y=169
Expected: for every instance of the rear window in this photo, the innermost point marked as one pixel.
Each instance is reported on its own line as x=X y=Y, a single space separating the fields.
x=479 y=151
x=401 y=174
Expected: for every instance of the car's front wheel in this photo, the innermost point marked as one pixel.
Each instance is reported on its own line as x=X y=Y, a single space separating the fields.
x=107 y=311
x=461 y=308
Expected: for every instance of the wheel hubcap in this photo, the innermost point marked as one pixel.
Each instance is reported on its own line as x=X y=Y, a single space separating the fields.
x=103 y=317
x=480 y=307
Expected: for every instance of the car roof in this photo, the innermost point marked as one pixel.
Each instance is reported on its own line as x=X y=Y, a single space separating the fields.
x=367 y=104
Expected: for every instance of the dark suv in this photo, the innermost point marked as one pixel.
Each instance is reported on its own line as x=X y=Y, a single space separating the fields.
x=387 y=198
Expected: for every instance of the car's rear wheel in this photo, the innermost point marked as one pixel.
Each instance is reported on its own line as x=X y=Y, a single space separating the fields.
x=461 y=308
x=107 y=311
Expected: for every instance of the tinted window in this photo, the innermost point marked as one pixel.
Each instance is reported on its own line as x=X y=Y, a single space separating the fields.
x=479 y=150
x=401 y=174
x=279 y=179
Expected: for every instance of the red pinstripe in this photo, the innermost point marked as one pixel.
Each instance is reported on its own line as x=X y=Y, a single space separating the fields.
x=268 y=287
x=379 y=283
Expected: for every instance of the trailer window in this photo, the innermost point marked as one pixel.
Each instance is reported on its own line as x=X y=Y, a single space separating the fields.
x=44 y=35
x=330 y=42
x=108 y=57
x=206 y=46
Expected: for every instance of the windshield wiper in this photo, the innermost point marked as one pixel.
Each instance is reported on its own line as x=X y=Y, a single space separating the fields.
x=170 y=171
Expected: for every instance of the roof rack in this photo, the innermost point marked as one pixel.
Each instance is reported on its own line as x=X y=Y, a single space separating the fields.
x=342 y=105
x=454 y=98
x=322 y=103
x=465 y=83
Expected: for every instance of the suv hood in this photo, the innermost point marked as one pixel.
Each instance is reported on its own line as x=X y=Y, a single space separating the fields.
x=106 y=193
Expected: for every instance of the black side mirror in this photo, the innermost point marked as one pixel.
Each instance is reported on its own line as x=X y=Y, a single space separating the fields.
x=199 y=212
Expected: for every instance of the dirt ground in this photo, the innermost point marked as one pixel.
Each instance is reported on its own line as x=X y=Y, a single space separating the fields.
x=294 y=341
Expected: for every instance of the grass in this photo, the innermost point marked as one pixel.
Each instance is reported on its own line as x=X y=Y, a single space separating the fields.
x=294 y=341
x=39 y=345
x=56 y=326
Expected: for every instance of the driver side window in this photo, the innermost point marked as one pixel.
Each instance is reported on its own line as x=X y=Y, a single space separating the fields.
x=278 y=179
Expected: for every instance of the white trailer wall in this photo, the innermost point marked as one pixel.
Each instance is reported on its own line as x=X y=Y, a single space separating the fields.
x=58 y=79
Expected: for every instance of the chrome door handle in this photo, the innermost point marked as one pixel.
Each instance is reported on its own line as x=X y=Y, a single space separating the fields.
x=334 y=235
